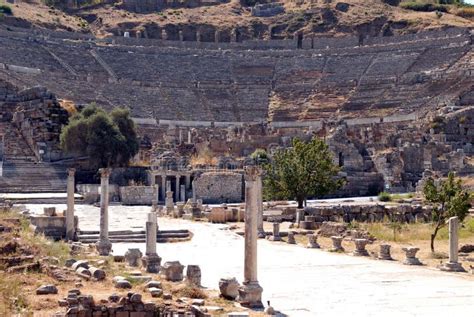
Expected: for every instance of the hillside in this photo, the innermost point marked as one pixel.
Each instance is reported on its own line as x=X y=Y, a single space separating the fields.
x=280 y=19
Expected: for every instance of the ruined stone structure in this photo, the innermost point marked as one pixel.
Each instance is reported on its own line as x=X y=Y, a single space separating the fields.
x=30 y=123
x=389 y=107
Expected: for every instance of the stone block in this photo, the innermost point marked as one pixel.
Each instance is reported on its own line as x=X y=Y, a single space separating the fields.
x=173 y=271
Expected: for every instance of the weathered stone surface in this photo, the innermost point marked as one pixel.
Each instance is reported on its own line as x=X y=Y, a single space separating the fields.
x=173 y=271
x=229 y=288
x=156 y=284
x=80 y=263
x=46 y=290
x=133 y=256
x=384 y=253
x=155 y=292
x=97 y=273
x=329 y=229
x=411 y=258
x=123 y=284
x=291 y=238
x=360 y=247
x=313 y=241
x=70 y=262
x=193 y=275
x=337 y=244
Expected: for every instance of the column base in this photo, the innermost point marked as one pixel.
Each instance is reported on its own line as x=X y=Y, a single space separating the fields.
x=103 y=247
x=151 y=263
x=261 y=234
x=412 y=261
x=452 y=267
x=360 y=253
x=274 y=238
x=250 y=295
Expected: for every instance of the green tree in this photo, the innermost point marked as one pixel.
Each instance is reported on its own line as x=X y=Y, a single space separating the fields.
x=260 y=156
x=302 y=171
x=107 y=139
x=448 y=199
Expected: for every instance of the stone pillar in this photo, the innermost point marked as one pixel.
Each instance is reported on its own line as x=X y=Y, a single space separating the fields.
x=182 y=192
x=152 y=179
x=181 y=37
x=299 y=216
x=169 y=202
x=411 y=259
x=250 y=293
x=291 y=238
x=259 y=193
x=360 y=247
x=163 y=186
x=216 y=36
x=151 y=261
x=104 y=246
x=337 y=244
x=154 y=201
x=276 y=232
x=189 y=137
x=313 y=241
x=194 y=191
x=164 y=35
x=384 y=253
x=70 y=229
x=198 y=36
x=176 y=194
x=453 y=265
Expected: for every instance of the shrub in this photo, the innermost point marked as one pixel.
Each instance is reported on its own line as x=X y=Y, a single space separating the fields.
x=424 y=7
x=5 y=9
x=384 y=196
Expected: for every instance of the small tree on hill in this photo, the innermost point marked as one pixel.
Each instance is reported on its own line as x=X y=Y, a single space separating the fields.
x=107 y=139
x=305 y=170
x=449 y=200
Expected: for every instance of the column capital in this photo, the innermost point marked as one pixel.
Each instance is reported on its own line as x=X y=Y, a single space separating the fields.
x=105 y=172
x=252 y=173
x=71 y=172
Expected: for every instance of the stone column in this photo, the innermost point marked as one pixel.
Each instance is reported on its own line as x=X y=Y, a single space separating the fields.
x=154 y=201
x=163 y=186
x=276 y=232
x=103 y=245
x=176 y=194
x=70 y=230
x=182 y=193
x=187 y=181
x=259 y=193
x=250 y=293
x=453 y=265
x=151 y=261
x=194 y=191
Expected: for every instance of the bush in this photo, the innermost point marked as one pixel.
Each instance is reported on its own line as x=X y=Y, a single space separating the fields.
x=424 y=7
x=5 y=9
x=384 y=196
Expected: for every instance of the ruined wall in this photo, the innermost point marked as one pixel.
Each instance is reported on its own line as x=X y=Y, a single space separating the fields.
x=136 y=195
x=219 y=187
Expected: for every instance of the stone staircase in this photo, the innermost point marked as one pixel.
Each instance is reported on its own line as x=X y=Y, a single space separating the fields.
x=128 y=236
x=20 y=176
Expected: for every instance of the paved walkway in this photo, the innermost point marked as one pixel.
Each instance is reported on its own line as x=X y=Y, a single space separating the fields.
x=303 y=282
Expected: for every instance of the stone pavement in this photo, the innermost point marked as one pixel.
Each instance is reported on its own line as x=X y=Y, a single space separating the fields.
x=300 y=281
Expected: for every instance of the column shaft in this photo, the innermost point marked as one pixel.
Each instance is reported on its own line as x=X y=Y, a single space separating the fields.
x=70 y=230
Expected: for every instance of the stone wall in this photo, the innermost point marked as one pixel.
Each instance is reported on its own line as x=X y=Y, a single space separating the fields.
x=219 y=187
x=136 y=195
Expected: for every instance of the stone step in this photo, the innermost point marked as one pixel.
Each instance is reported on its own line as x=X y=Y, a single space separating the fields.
x=137 y=236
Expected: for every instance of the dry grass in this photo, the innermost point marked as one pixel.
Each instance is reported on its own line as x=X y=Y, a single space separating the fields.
x=204 y=156
x=415 y=232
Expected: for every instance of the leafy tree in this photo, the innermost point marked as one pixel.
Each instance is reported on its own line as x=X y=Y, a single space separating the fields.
x=305 y=170
x=260 y=156
x=107 y=139
x=449 y=200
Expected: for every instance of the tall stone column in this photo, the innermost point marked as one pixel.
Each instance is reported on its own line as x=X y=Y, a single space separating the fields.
x=259 y=193
x=250 y=293
x=151 y=261
x=154 y=201
x=104 y=246
x=70 y=229
x=453 y=265
x=176 y=194
x=163 y=186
